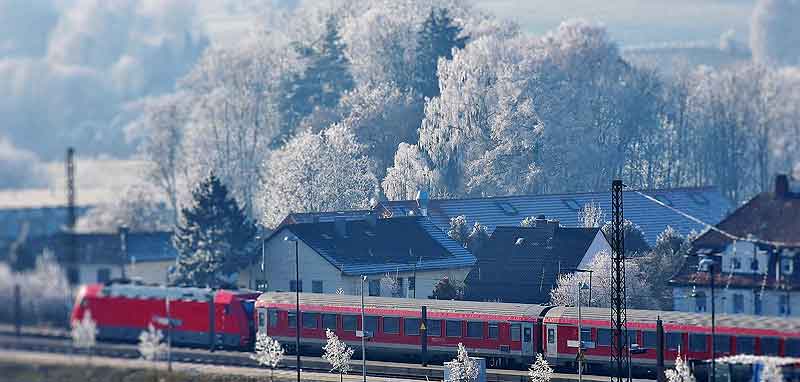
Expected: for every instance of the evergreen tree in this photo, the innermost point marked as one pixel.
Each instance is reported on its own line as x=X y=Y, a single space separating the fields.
x=437 y=38
x=214 y=238
x=326 y=77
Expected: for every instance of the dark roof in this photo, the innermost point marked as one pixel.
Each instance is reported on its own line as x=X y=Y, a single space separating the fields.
x=705 y=203
x=765 y=217
x=316 y=217
x=373 y=246
x=520 y=264
x=42 y=221
x=105 y=248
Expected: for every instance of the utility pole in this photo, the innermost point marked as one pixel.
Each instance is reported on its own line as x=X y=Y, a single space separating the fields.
x=363 y=333
x=620 y=355
x=73 y=276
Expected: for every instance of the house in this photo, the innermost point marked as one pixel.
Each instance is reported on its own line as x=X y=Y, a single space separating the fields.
x=522 y=264
x=333 y=255
x=705 y=203
x=20 y=225
x=146 y=256
x=756 y=270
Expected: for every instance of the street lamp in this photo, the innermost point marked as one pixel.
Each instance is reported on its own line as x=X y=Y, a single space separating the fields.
x=363 y=332
x=297 y=298
x=707 y=265
x=581 y=288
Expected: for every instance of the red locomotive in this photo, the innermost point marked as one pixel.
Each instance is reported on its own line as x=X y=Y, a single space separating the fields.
x=122 y=311
x=511 y=334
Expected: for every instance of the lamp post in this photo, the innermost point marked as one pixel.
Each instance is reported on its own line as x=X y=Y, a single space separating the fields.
x=707 y=265
x=297 y=299
x=363 y=332
x=581 y=288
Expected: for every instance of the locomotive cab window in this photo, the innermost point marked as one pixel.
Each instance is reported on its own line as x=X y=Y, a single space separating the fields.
x=329 y=321
x=411 y=326
x=349 y=323
x=516 y=332
x=551 y=336
x=697 y=343
x=262 y=319
x=453 y=328
x=475 y=329
x=391 y=325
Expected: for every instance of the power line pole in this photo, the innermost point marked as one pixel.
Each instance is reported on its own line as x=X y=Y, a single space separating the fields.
x=620 y=355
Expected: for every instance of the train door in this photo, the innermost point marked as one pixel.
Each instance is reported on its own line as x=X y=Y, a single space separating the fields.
x=552 y=344
x=527 y=338
x=262 y=321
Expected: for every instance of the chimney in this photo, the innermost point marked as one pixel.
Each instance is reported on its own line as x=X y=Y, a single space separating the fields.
x=541 y=221
x=340 y=227
x=422 y=202
x=781 y=186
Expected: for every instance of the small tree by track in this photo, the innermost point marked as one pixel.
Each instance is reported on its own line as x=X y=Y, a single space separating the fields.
x=462 y=368
x=84 y=336
x=152 y=346
x=338 y=354
x=268 y=352
x=540 y=370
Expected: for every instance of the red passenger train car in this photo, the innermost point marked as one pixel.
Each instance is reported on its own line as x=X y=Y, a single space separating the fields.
x=122 y=311
x=506 y=334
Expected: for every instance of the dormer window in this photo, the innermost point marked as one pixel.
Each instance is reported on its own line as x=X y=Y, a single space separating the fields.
x=736 y=263
x=787 y=265
x=754 y=264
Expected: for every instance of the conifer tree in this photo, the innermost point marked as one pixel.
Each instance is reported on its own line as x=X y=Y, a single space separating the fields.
x=437 y=38
x=214 y=238
x=326 y=77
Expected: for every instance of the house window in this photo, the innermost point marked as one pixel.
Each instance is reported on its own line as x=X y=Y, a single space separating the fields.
x=329 y=321
x=787 y=267
x=475 y=329
x=349 y=323
x=316 y=286
x=295 y=286
x=374 y=287
x=754 y=264
x=757 y=308
x=603 y=337
x=736 y=263
x=700 y=302
x=103 y=275
x=401 y=292
x=515 y=332
x=494 y=330
x=262 y=285
x=453 y=328
x=738 y=303
x=411 y=326
x=783 y=305
x=391 y=325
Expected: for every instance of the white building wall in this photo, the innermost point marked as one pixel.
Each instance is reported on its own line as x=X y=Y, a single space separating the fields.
x=150 y=272
x=770 y=301
x=89 y=272
x=599 y=244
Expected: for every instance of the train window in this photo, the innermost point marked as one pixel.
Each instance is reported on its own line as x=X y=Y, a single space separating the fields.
x=745 y=345
x=310 y=320
x=631 y=337
x=494 y=330
x=349 y=323
x=722 y=344
x=769 y=346
x=371 y=324
x=697 y=343
x=603 y=337
x=649 y=340
x=391 y=325
x=435 y=328
x=453 y=328
x=516 y=330
x=292 y=319
x=411 y=326
x=674 y=341
x=551 y=336
x=475 y=329
x=792 y=348
x=329 y=321
x=272 y=315
x=586 y=334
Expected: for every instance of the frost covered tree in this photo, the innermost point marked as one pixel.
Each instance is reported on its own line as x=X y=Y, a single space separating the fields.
x=137 y=208
x=447 y=289
x=459 y=230
x=389 y=283
x=680 y=373
x=566 y=288
x=268 y=352
x=84 y=333
x=590 y=215
x=775 y=33
x=478 y=237
x=151 y=345
x=214 y=238
x=540 y=370
x=661 y=263
x=315 y=172
x=635 y=242
x=337 y=353
x=462 y=368
x=45 y=290
x=410 y=172
x=437 y=38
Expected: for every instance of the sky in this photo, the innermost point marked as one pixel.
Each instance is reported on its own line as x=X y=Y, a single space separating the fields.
x=71 y=71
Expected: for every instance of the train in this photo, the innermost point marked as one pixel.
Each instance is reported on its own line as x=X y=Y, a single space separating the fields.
x=508 y=335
